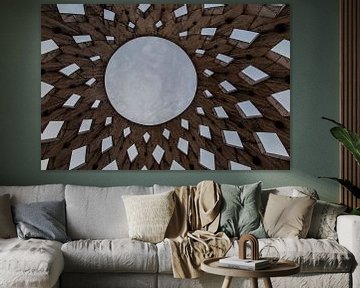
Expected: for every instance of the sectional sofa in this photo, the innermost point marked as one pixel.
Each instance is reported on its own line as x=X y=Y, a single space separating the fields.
x=100 y=253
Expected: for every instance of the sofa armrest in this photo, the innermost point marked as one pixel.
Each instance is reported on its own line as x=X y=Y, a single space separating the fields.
x=348 y=230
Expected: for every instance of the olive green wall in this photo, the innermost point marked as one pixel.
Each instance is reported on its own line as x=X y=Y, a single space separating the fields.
x=314 y=92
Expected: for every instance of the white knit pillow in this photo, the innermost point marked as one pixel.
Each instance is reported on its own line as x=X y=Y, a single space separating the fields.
x=149 y=215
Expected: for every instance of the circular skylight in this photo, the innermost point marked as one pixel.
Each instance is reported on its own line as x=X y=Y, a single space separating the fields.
x=150 y=80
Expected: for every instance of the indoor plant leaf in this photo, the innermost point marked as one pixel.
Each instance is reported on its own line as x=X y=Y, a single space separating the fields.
x=348 y=138
x=348 y=185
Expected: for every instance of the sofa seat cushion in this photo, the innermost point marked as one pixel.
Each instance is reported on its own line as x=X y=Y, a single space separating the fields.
x=313 y=255
x=115 y=255
x=30 y=263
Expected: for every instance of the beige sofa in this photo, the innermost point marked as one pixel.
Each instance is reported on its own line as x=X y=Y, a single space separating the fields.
x=101 y=255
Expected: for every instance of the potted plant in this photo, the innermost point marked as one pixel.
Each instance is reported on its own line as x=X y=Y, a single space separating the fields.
x=351 y=141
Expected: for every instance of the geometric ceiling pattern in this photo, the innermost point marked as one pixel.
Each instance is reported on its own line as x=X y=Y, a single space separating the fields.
x=238 y=117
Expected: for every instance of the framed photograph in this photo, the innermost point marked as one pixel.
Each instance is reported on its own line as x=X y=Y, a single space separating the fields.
x=165 y=87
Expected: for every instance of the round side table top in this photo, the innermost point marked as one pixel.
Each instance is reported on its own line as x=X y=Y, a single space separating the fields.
x=281 y=268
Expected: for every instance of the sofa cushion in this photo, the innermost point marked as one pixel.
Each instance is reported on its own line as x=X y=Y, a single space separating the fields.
x=117 y=255
x=291 y=191
x=149 y=215
x=35 y=193
x=42 y=220
x=30 y=263
x=98 y=213
x=287 y=216
x=240 y=210
x=313 y=255
x=323 y=222
x=7 y=226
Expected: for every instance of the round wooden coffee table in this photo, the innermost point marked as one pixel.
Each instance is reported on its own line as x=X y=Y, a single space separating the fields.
x=281 y=268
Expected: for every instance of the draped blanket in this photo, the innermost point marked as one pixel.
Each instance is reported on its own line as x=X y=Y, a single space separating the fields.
x=191 y=231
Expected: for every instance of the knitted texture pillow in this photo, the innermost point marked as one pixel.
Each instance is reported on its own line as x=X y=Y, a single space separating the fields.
x=149 y=215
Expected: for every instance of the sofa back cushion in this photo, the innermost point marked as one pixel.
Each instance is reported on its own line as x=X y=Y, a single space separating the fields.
x=98 y=213
x=240 y=210
x=35 y=193
x=291 y=191
x=288 y=217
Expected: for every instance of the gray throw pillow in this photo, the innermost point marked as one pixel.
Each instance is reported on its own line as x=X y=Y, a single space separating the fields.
x=43 y=220
x=7 y=227
x=323 y=222
x=240 y=212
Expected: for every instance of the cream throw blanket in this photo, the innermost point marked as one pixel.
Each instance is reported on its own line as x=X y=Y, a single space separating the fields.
x=191 y=231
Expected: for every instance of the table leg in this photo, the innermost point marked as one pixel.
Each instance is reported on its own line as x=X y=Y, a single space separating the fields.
x=227 y=282
x=267 y=283
x=254 y=282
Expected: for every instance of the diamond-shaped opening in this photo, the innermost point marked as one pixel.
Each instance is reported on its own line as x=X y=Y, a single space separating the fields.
x=51 y=131
x=237 y=166
x=132 y=152
x=181 y=11
x=77 y=159
x=72 y=101
x=270 y=144
x=85 y=126
x=223 y=59
x=70 y=69
x=227 y=87
x=96 y=104
x=248 y=110
x=282 y=48
x=111 y=166
x=82 y=39
x=176 y=166
x=45 y=88
x=75 y=9
x=158 y=154
x=204 y=131
x=183 y=145
x=109 y=15
x=207 y=159
x=48 y=46
x=220 y=112
x=106 y=144
x=232 y=138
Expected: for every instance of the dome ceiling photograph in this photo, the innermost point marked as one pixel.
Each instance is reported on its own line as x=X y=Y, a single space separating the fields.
x=165 y=87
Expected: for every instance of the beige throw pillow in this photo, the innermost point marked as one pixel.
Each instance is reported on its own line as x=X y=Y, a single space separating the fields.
x=149 y=215
x=7 y=226
x=288 y=217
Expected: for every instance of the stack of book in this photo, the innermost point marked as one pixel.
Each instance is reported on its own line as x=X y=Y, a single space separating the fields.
x=248 y=264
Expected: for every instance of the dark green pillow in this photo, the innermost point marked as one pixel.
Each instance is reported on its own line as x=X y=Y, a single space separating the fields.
x=43 y=220
x=240 y=210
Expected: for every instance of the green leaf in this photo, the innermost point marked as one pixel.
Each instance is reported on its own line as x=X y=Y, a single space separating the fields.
x=349 y=139
x=348 y=185
x=355 y=211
